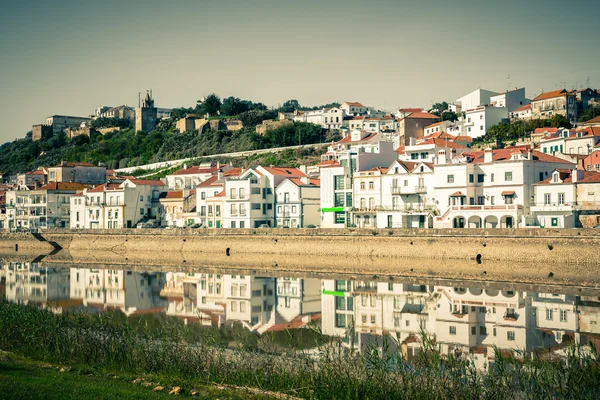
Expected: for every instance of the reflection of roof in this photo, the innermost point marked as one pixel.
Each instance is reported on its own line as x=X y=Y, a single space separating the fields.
x=551 y=95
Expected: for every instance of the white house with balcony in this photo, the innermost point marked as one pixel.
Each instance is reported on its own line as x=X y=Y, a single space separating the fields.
x=328 y=118
x=297 y=202
x=46 y=207
x=478 y=120
x=406 y=196
x=116 y=205
x=565 y=199
x=348 y=156
x=249 y=200
x=490 y=188
x=189 y=178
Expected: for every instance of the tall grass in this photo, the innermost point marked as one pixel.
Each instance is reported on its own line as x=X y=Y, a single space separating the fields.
x=100 y=340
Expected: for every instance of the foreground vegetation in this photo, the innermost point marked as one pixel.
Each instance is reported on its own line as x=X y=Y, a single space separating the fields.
x=101 y=342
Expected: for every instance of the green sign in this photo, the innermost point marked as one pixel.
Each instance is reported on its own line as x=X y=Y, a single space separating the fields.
x=332 y=209
x=333 y=293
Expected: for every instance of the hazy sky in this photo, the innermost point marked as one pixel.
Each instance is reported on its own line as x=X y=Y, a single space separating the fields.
x=69 y=57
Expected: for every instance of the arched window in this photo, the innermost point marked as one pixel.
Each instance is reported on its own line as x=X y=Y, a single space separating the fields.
x=371 y=202
x=362 y=203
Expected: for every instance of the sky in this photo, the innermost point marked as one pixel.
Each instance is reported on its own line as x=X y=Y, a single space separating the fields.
x=70 y=57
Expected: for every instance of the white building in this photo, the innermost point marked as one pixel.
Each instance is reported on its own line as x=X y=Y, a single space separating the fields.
x=491 y=188
x=479 y=119
x=297 y=296
x=116 y=205
x=250 y=300
x=354 y=108
x=571 y=141
x=328 y=118
x=511 y=99
x=523 y=112
x=406 y=197
x=249 y=200
x=475 y=99
x=565 y=198
x=189 y=178
x=298 y=201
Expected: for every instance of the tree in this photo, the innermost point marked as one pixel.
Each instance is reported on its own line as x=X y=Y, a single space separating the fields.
x=290 y=106
x=560 y=121
x=590 y=113
x=234 y=106
x=211 y=105
x=449 y=116
x=439 y=108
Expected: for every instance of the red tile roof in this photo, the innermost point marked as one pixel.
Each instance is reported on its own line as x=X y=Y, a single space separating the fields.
x=36 y=172
x=545 y=130
x=298 y=182
x=383 y=170
x=410 y=110
x=64 y=186
x=348 y=139
x=593 y=120
x=221 y=194
x=508 y=193
x=232 y=172
x=457 y=194
x=442 y=143
x=567 y=177
x=551 y=95
x=422 y=115
x=524 y=108
x=283 y=171
x=467 y=139
x=147 y=182
x=210 y=181
x=435 y=124
x=175 y=194
x=506 y=154
x=327 y=162
x=353 y=104
x=196 y=171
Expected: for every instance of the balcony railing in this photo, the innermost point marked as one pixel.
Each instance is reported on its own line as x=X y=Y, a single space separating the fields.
x=409 y=207
x=238 y=197
x=501 y=207
x=398 y=190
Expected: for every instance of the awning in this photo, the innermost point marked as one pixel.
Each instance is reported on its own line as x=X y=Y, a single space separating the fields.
x=508 y=193
x=457 y=194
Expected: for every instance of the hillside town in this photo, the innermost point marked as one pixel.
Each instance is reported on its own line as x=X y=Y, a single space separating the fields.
x=467 y=321
x=404 y=169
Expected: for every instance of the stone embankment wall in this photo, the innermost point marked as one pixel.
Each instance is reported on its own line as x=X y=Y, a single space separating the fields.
x=532 y=255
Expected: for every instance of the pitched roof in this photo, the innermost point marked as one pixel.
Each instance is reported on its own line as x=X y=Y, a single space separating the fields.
x=298 y=182
x=209 y=182
x=353 y=104
x=327 y=162
x=75 y=164
x=36 y=172
x=442 y=143
x=595 y=120
x=523 y=108
x=545 y=130
x=506 y=154
x=550 y=95
x=64 y=186
x=196 y=170
x=421 y=115
x=175 y=194
x=383 y=170
x=284 y=171
x=467 y=139
x=410 y=110
x=348 y=139
x=434 y=124
x=154 y=182
x=567 y=177
x=457 y=194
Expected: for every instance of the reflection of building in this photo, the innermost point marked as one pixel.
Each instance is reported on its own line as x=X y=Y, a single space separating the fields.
x=34 y=284
x=128 y=291
x=462 y=321
x=298 y=297
x=249 y=299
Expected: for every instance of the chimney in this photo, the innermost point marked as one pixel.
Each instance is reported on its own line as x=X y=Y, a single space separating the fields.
x=577 y=175
x=488 y=155
x=411 y=141
x=305 y=180
x=303 y=169
x=63 y=163
x=185 y=166
x=441 y=159
x=185 y=193
x=220 y=174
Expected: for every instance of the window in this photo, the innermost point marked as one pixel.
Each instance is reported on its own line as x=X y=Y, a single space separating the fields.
x=546 y=199
x=453 y=330
x=563 y=315
x=340 y=218
x=242 y=306
x=561 y=198
x=362 y=186
x=141 y=211
x=141 y=198
x=234 y=306
x=364 y=319
x=371 y=185
x=203 y=195
x=450 y=179
x=471 y=178
x=510 y=336
x=340 y=320
x=372 y=319
x=492 y=200
x=363 y=301
x=508 y=176
x=491 y=177
x=482 y=330
x=373 y=301
x=549 y=314
x=338 y=182
x=473 y=330
x=480 y=178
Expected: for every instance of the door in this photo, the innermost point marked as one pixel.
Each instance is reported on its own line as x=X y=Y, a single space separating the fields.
x=389 y=221
x=129 y=224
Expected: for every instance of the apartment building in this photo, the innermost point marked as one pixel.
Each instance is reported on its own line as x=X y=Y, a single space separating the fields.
x=298 y=201
x=178 y=208
x=562 y=102
x=116 y=205
x=77 y=172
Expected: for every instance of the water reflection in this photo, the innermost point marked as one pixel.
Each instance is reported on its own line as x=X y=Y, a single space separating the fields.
x=462 y=320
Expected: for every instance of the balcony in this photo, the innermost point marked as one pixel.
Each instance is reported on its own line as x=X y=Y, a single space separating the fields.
x=501 y=207
x=408 y=190
x=243 y=197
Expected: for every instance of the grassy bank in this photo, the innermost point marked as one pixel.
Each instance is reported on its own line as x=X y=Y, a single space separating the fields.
x=102 y=343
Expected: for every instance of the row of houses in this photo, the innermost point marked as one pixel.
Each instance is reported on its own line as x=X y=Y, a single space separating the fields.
x=462 y=320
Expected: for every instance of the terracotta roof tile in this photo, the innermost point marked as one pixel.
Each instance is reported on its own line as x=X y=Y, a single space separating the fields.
x=283 y=171
x=421 y=115
x=64 y=186
x=550 y=95
x=523 y=108
x=147 y=182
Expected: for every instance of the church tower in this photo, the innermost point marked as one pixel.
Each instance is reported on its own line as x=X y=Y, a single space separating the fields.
x=145 y=116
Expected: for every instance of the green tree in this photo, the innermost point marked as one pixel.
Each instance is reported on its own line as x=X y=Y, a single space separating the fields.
x=590 y=113
x=560 y=121
x=449 y=116
x=290 y=106
x=211 y=105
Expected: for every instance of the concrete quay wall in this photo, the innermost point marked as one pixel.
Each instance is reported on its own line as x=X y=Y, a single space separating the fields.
x=525 y=245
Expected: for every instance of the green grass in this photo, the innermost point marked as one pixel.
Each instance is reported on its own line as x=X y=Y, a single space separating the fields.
x=27 y=379
x=174 y=353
